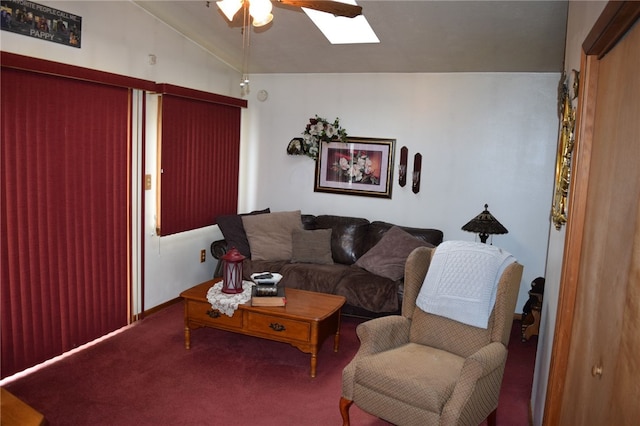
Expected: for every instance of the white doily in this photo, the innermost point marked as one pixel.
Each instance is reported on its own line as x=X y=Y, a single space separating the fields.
x=228 y=303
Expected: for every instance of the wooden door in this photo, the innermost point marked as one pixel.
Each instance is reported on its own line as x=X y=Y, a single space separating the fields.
x=595 y=367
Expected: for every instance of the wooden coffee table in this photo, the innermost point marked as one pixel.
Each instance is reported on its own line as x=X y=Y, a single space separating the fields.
x=305 y=322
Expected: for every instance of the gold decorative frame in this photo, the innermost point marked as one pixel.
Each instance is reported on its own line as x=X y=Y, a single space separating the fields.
x=565 y=147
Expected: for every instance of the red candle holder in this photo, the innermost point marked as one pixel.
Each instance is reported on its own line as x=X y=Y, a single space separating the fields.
x=232 y=272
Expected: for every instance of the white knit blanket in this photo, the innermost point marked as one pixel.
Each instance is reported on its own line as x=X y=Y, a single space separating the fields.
x=462 y=281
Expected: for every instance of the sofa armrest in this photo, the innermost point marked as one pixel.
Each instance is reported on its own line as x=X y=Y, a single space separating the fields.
x=218 y=249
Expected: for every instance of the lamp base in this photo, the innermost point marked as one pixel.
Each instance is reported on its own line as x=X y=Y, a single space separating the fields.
x=483 y=238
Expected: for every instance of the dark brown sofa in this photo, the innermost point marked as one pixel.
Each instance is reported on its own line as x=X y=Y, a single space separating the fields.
x=368 y=294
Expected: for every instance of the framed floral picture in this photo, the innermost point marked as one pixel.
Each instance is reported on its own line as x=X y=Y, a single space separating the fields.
x=359 y=166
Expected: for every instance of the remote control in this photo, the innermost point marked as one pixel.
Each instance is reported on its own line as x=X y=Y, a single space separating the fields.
x=265 y=276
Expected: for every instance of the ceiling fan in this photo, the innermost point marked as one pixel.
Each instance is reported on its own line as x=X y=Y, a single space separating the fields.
x=260 y=10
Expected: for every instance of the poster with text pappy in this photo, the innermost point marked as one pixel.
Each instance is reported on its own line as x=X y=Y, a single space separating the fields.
x=40 y=21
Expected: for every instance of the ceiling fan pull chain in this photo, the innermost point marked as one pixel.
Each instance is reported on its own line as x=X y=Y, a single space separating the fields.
x=246 y=48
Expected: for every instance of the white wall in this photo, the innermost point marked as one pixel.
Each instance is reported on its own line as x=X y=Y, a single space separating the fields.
x=484 y=138
x=582 y=15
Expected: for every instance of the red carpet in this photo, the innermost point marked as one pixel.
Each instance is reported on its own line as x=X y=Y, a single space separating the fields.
x=144 y=376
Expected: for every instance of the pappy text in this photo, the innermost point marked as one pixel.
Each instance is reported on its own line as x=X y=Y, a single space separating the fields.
x=40 y=21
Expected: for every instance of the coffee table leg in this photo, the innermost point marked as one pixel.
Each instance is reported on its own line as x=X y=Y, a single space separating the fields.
x=336 y=339
x=187 y=337
x=314 y=363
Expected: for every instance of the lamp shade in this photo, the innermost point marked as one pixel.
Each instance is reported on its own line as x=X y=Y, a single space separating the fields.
x=485 y=224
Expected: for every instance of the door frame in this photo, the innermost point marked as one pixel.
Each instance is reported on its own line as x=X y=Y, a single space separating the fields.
x=614 y=22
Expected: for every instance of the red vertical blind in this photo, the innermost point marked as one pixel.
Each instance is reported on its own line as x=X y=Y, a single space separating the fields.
x=200 y=155
x=65 y=214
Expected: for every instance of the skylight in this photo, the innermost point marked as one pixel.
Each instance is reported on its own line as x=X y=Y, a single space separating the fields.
x=342 y=30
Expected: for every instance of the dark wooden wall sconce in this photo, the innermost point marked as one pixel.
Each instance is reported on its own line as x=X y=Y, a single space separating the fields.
x=402 y=178
x=417 y=166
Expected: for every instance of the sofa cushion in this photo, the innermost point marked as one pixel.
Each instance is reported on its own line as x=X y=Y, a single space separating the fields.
x=388 y=257
x=269 y=235
x=348 y=237
x=377 y=229
x=311 y=246
x=233 y=230
x=313 y=277
x=368 y=291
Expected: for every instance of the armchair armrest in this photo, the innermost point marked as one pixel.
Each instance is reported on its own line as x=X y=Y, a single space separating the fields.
x=486 y=363
x=376 y=335
x=381 y=334
x=488 y=357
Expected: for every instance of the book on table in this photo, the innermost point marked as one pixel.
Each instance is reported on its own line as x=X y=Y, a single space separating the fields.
x=268 y=295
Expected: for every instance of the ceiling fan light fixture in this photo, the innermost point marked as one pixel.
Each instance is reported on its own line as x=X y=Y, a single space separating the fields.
x=265 y=21
x=260 y=11
x=229 y=7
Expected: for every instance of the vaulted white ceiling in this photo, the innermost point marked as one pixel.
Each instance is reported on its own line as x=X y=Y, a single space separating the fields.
x=416 y=36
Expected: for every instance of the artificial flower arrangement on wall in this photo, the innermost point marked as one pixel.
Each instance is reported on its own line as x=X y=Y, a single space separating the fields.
x=318 y=130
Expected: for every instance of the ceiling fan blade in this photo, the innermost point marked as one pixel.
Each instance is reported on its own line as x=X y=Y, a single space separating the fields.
x=333 y=7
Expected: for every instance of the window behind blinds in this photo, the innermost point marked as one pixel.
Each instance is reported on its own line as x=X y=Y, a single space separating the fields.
x=199 y=160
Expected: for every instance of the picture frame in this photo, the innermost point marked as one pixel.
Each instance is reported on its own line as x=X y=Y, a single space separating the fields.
x=361 y=166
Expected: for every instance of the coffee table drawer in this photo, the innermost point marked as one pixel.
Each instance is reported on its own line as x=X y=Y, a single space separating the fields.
x=204 y=313
x=280 y=327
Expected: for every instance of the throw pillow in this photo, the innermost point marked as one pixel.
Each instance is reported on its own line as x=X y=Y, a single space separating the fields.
x=311 y=246
x=388 y=257
x=233 y=230
x=269 y=235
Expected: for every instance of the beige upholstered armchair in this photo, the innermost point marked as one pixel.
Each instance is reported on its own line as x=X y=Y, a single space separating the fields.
x=423 y=369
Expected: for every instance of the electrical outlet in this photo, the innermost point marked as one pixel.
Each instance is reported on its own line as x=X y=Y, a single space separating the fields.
x=203 y=255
